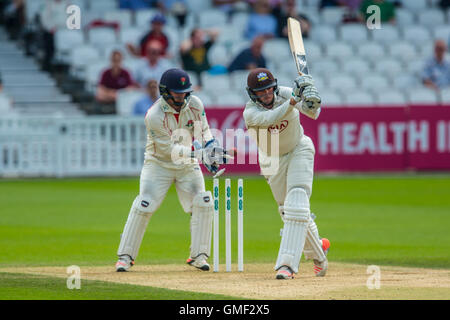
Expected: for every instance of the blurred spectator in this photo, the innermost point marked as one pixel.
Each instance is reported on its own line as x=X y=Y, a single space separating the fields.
x=289 y=9
x=194 y=51
x=261 y=21
x=227 y=6
x=15 y=18
x=53 y=18
x=5 y=102
x=436 y=74
x=273 y=4
x=178 y=8
x=155 y=34
x=113 y=79
x=250 y=58
x=153 y=65
x=352 y=13
x=152 y=93
x=136 y=4
x=444 y=4
x=387 y=10
x=352 y=5
x=328 y=3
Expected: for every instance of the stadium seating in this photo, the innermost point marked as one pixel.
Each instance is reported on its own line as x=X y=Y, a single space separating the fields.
x=403 y=51
x=238 y=79
x=353 y=33
x=277 y=49
x=416 y=34
x=441 y=32
x=230 y=98
x=358 y=67
x=331 y=98
x=65 y=41
x=390 y=97
x=207 y=99
x=374 y=82
x=445 y=96
x=126 y=99
x=212 y=18
x=324 y=67
x=354 y=63
x=123 y=17
x=385 y=35
x=93 y=72
x=339 y=50
x=421 y=95
x=218 y=55
x=415 y=6
x=5 y=104
x=359 y=98
x=343 y=82
x=102 y=5
x=80 y=57
x=332 y=15
x=431 y=17
x=415 y=67
x=323 y=34
x=131 y=35
x=198 y=5
x=100 y=37
x=239 y=20
x=314 y=50
x=404 y=17
x=143 y=17
x=406 y=81
x=389 y=66
x=371 y=51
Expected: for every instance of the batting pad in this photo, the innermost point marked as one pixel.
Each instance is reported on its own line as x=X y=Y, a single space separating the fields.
x=134 y=230
x=201 y=224
x=296 y=218
x=313 y=244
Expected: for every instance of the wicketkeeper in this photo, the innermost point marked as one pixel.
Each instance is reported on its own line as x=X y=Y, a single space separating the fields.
x=275 y=110
x=170 y=158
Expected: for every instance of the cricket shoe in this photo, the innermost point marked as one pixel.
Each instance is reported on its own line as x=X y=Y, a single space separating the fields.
x=124 y=263
x=320 y=267
x=285 y=273
x=199 y=262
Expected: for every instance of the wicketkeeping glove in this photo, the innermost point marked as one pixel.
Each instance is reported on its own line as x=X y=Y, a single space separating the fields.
x=212 y=155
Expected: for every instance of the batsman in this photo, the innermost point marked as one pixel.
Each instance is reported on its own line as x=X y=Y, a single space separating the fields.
x=169 y=158
x=275 y=110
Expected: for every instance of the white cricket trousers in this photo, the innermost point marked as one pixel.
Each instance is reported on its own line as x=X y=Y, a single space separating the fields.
x=295 y=169
x=156 y=180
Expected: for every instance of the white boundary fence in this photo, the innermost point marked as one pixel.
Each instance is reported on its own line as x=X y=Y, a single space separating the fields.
x=78 y=146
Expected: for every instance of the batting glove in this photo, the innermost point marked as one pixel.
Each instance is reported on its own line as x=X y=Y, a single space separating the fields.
x=311 y=99
x=300 y=84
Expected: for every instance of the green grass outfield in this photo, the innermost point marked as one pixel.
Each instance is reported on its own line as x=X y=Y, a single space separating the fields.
x=400 y=220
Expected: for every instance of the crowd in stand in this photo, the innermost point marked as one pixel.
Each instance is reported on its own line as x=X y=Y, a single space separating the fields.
x=266 y=20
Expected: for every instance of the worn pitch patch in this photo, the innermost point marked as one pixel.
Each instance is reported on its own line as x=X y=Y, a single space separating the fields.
x=343 y=281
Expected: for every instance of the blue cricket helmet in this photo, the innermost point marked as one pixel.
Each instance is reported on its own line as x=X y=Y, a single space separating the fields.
x=175 y=80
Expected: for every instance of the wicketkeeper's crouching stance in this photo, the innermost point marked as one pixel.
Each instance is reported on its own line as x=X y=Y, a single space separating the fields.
x=169 y=158
x=274 y=110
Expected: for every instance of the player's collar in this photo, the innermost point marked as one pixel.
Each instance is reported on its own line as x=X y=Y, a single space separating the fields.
x=165 y=107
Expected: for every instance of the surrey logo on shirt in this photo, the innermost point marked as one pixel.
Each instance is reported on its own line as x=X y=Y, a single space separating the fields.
x=277 y=128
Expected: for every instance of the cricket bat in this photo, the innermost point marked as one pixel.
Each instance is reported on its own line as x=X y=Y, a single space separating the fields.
x=297 y=47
